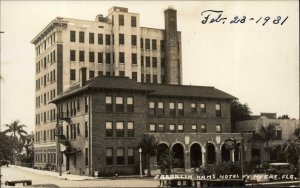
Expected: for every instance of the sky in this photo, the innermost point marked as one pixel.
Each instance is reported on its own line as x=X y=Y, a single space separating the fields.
x=257 y=64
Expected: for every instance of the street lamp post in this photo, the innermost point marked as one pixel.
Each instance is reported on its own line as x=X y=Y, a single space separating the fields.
x=140 y=151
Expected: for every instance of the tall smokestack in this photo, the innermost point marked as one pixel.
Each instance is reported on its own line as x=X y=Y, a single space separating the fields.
x=172 y=49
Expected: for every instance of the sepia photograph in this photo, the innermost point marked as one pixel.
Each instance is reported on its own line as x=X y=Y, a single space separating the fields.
x=149 y=93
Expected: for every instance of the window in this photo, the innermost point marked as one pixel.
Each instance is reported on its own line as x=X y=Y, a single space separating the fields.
x=119 y=129
x=78 y=128
x=121 y=39
x=160 y=110
x=180 y=109
x=142 y=61
x=130 y=104
x=72 y=36
x=162 y=45
x=162 y=62
x=142 y=78
x=133 y=40
x=92 y=74
x=72 y=55
x=203 y=128
x=109 y=156
x=148 y=78
x=180 y=128
x=91 y=38
x=86 y=104
x=130 y=129
x=172 y=128
x=120 y=156
x=100 y=57
x=107 y=73
x=86 y=156
x=172 y=109
x=86 y=129
x=218 y=128
x=161 y=128
x=81 y=36
x=194 y=128
x=193 y=107
x=152 y=128
x=100 y=73
x=81 y=56
x=121 y=19
x=107 y=58
x=203 y=108
x=133 y=58
x=147 y=61
x=119 y=104
x=133 y=21
x=100 y=38
x=147 y=44
x=153 y=44
x=122 y=73
x=154 y=61
x=72 y=74
x=121 y=57
x=108 y=104
x=108 y=129
x=92 y=57
x=107 y=39
x=278 y=133
x=152 y=108
x=218 y=110
x=134 y=76
x=130 y=156
x=142 y=43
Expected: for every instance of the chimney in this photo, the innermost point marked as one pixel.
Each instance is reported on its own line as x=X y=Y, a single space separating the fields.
x=100 y=18
x=172 y=47
x=82 y=76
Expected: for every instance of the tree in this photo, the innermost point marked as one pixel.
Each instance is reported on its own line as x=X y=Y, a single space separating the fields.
x=166 y=162
x=17 y=135
x=239 y=111
x=266 y=134
x=149 y=148
x=284 y=117
x=290 y=152
x=5 y=147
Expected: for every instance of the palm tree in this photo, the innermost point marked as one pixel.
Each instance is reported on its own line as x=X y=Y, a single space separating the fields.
x=149 y=147
x=290 y=152
x=17 y=135
x=266 y=134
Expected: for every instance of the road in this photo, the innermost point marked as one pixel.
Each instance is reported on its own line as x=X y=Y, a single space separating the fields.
x=41 y=180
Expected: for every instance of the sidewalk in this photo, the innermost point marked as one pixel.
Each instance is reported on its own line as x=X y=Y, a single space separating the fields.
x=56 y=174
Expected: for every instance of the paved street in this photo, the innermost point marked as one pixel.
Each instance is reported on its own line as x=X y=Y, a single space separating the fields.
x=40 y=178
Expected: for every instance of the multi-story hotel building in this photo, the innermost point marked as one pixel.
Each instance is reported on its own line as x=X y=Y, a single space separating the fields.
x=115 y=45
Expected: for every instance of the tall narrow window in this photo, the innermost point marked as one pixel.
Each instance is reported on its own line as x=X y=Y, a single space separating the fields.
x=194 y=128
x=153 y=44
x=81 y=36
x=119 y=129
x=121 y=19
x=172 y=128
x=100 y=38
x=130 y=129
x=108 y=104
x=72 y=74
x=203 y=128
x=172 y=109
x=180 y=109
x=152 y=108
x=218 y=128
x=109 y=156
x=203 y=108
x=121 y=39
x=193 y=107
x=120 y=156
x=147 y=61
x=130 y=156
x=92 y=74
x=134 y=58
x=133 y=40
x=91 y=38
x=72 y=55
x=122 y=73
x=81 y=56
x=100 y=57
x=86 y=130
x=142 y=43
x=86 y=104
x=218 y=110
x=72 y=36
x=107 y=58
x=154 y=61
x=134 y=76
x=130 y=104
x=147 y=44
x=133 y=21
x=161 y=127
x=160 y=108
x=107 y=39
x=121 y=57
x=108 y=129
x=92 y=57
x=148 y=78
x=162 y=45
x=86 y=157
x=119 y=104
